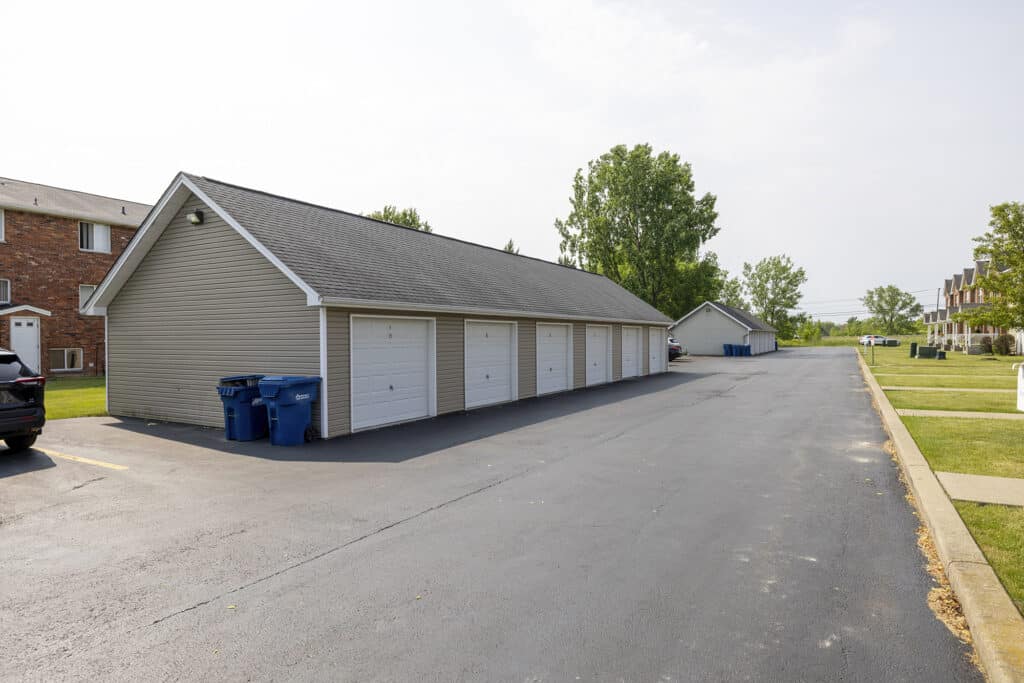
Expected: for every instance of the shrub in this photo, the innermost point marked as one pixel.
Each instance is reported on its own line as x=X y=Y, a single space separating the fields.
x=1003 y=344
x=986 y=344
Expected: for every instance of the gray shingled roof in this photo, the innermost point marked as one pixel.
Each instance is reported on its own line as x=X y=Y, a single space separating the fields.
x=56 y=201
x=347 y=256
x=748 y=319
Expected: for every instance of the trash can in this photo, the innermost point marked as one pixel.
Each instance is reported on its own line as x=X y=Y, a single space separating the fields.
x=245 y=416
x=746 y=350
x=289 y=402
x=913 y=349
x=776 y=344
x=940 y=355
x=727 y=349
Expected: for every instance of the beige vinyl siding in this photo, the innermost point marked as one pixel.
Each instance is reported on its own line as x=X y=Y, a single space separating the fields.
x=645 y=345
x=203 y=304
x=579 y=355
x=616 y=353
x=339 y=416
x=451 y=364
x=527 y=333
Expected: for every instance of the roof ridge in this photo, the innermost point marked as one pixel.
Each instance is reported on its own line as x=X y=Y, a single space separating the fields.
x=393 y=225
x=4 y=179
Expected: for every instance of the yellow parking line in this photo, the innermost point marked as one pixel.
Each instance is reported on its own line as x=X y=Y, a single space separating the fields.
x=78 y=458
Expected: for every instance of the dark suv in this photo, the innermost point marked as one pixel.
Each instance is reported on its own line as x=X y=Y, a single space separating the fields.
x=22 y=413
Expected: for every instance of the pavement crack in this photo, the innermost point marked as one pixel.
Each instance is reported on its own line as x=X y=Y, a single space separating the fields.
x=346 y=544
x=86 y=483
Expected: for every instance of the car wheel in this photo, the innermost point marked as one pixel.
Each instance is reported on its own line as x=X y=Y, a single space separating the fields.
x=18 y=444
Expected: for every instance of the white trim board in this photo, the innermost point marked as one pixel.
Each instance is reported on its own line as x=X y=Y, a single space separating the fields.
x=25 y=308
x=324 y=426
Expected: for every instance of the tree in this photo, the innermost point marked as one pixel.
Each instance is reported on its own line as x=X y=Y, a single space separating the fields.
x=409 y=217
x=566 y=260
x=511 y=248
x=894 y=310
x=696 y=282
x=774 y=288
x=809 y=331
x=732 y=293
x=635 y=219
x=1003 y=281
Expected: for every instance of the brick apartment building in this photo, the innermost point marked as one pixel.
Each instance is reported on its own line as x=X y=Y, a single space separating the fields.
x=55 y=247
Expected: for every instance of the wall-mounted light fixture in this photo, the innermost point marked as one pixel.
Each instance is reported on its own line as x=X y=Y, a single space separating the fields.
x=195 y=217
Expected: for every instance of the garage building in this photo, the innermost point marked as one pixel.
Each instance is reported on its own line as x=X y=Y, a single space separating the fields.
x=704 y=330
x=398 y=324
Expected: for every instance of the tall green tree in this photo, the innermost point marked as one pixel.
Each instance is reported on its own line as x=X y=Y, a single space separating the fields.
x=566 y=260
x=1003 y=246
x=732 y=293
x=773 y=284
x=894 y=310
x=635 y=219
x=511 y=247
x=408 y=217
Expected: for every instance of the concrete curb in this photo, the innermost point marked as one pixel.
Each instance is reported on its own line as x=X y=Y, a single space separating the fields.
x=996 y=625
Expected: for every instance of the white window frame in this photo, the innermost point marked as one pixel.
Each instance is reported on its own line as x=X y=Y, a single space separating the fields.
x=6 y=300
x=514 y=358
x=81 y=358
x=3 y=227
x=93 y=227
x=81 y=301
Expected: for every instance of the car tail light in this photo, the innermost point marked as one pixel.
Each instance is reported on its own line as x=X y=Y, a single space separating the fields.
x=31 y=381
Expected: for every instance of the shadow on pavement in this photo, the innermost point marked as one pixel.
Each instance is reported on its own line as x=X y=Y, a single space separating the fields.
x=13 y=464
x=411 y=440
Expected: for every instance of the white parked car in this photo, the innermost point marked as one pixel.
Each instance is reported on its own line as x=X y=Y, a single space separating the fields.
x=872 y=340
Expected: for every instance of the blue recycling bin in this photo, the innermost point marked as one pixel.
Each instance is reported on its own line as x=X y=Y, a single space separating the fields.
x=289 y=401
x=746 y=350
x=727 y=349
x=245 y=416
x=776 y=344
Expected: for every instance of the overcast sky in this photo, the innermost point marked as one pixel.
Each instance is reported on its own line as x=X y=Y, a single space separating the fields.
x=866 y=141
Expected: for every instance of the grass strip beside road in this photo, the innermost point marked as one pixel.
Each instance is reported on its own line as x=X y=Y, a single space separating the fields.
x=954 y=400
x=75 y=397
x=947 y=381
x=988 y=447
x=999 y=531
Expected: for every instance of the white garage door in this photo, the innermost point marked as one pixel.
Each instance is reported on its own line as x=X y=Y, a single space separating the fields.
x=554 y=358
x=490 y=363
x=658 y=350
x=392 y=377
x=599 y=352
x=631 y=351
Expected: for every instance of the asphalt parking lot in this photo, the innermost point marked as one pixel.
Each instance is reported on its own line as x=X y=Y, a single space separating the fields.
x=734 y=519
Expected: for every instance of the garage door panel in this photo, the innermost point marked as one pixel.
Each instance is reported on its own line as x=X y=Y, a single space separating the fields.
x=598 y=346
x=391 y=369
x=553 y=363
x=489 y=363
x=630 y=352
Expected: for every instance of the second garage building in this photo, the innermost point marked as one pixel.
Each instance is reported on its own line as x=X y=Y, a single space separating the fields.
x=399 y=324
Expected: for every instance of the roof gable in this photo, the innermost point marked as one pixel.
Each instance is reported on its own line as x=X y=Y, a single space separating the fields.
x=740 y=317
x=344 y=259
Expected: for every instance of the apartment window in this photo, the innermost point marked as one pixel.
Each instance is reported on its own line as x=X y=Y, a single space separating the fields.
x=2 y=238
x=84 y=292
x=94 y=237
x=65 y=360
x=5 y=291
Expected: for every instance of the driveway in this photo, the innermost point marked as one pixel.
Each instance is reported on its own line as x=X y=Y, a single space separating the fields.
x=734 y=519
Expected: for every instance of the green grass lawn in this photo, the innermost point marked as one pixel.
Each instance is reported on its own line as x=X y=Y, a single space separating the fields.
x=849 y=341
x=898 y=360
x=75 y=397
x=989 y=447
x=954 y=400
x=999 y=530
x=952 y=381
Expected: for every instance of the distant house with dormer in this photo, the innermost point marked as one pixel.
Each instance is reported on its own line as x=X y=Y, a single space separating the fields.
x=961 y=293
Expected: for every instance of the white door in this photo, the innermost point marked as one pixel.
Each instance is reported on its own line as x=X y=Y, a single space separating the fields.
x=631 y=352
x=392 y=370
x=658 y=350
x=599 y=351
x=490 y=363
x=25 y=341
x=554 y=358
